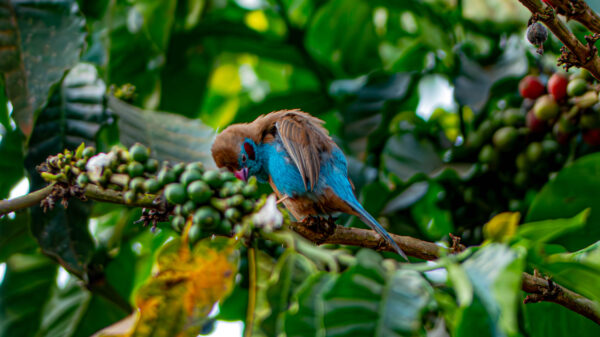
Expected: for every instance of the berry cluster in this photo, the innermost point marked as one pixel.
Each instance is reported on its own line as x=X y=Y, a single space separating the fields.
x=212 y=200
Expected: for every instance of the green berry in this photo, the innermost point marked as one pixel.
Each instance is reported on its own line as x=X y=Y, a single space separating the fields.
x=151 y=165
x=206 y=216
x=589 y=121
x=247 y=206
x=576 y=87
x=189 y=207
x=488 y=155
x=178 y=169
x=513 y=117
x=80 y=164
x=178 y=210
x=175 y=193
x=505 y=138
x=534 y=152
x=521 y=161
x=194 y=233
x=139 y=153
x=83 y=179
x=212 y=178
x=188 y=177
x=129 y=197
x=235 y=200
x=135 y=169
x=137 y=184
x=199 y=191
x=122 y=168
x=89 y=152
x=546 y=108
x=195 y=166
x=227 y=176
x=520 y=179
x=249 y=190
x=232 y=214
x=166 y=176
x=152 y=186
x=178 y=223
x=550 y=146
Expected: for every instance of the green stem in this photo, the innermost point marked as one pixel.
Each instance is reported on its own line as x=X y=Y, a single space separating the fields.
x=28 y=200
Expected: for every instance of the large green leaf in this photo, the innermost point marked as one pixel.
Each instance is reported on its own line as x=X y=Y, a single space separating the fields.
x=43 y=39
x=11 y=149
x=307 y=318
x=574 y=189
x=405 y=155
x=474 y=82
x=15 y=235
x=169 y=136
x=546 y=230
x=350 y=46
x=365 y=300
x=23 y=292
x=74 y=115
x=495 y=273
x=136 y=46
x=72 y=311
x=546 y=319
x=291 y=270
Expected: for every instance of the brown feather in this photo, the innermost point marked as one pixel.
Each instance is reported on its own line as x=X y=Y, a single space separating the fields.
x=302 y=135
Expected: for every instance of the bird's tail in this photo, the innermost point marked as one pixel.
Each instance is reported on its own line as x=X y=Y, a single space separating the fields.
x=369 y=220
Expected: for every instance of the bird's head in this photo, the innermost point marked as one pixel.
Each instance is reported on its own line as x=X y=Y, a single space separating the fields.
x=236 y=150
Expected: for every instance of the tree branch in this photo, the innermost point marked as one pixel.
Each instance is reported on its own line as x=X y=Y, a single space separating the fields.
x=576 y=53
x=91 y=191
x=539 y=288
x=28 y=200
x=580 y=12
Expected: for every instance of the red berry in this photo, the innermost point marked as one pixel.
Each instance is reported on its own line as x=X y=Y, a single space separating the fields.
x=534 y=124
x=531 y=87
x=557 y=86
x=592 y=137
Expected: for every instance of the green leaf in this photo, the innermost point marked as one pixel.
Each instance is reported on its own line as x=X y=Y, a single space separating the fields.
x=364 y=300
x=350 y=46
x=574 y=189
x=291 y=271
x=474 y=82
x=546 y=319
x=495 y=273
x=406 y=299
x=433 y=221
x=169 y=136
x=405 y=155
x=23 y=292
x=306 y=317
x=44 y=38
x=73 y=311
x=546 y=230
x=15 y=235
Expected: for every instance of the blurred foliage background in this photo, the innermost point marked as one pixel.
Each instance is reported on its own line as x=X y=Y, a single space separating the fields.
x=404 y=88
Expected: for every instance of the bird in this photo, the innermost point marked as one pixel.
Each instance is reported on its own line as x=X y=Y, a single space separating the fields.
x=293 y=152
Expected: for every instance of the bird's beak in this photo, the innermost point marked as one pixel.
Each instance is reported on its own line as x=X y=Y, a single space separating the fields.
x=242 y=174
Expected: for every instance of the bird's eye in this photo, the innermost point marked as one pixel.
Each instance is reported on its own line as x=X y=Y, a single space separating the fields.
x=243 y=158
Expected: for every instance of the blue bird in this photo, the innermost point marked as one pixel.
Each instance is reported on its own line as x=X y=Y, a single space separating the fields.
x=291 y=151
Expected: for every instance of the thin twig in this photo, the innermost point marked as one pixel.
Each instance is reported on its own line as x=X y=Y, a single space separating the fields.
x=27 y=200
x=576 y=54
x=580 y=12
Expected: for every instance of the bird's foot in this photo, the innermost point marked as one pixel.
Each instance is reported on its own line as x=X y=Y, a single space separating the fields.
x=319 y=227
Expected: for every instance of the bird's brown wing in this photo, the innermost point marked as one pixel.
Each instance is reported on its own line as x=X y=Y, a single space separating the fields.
x=305 y=139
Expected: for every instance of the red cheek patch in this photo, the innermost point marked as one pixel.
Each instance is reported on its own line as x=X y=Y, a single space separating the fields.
x=250 y=151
